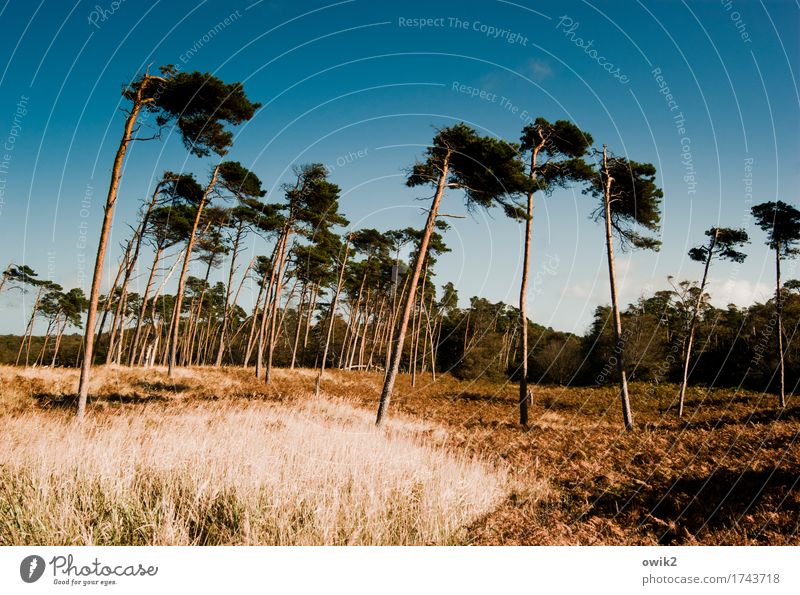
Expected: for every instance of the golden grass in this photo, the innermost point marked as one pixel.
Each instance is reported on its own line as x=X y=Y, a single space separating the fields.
x=214 y=456
x=228 y=471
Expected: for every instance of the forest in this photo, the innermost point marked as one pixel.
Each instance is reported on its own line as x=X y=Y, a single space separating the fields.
x=330 y=296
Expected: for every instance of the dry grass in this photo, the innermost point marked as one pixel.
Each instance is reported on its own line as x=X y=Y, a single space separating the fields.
x=216 y=457
x=233 y=471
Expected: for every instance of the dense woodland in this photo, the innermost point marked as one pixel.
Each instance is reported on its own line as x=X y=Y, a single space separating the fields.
x=330 y=296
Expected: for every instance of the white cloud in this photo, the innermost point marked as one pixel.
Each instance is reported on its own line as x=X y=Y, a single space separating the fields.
x=538 y=69
x=738 y=291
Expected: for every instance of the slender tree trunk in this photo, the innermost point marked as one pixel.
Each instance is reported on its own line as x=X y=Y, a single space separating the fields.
x=779 y=311
x=693 y=324
x=299 y=325
x=376 y=333
x=334 y=305
x=525 y=397
x=274 y=314
x=143 y=308
x=97 y=277
x=58 y=343
x=271 y=295
x=285 y=310
x=41 y=356
x=194 y=321
x=619 y=346
x=157 y=332
x=309 y=319
x=397 y=351
x=107 y=304
x=29 y=330
x=254 y=324
x=232 y=269
x=175 y=334
x=416 y=326
x=229 y=343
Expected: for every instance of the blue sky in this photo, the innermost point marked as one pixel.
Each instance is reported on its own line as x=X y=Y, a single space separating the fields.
x=361 y=85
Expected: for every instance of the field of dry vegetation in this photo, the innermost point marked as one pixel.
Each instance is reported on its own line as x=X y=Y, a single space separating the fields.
x=215 y=457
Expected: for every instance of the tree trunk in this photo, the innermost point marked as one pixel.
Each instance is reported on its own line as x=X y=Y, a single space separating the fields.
x=29 y=330
x=107 y=304
x=779 y=311
x=254 y=324
x=58 y=343
x=525 y=397
x=309 y=319
x=97 y=277
x=334 y=305
x=232 y=269
x=693 y=324
x=619 y=347
x=143 y=308
x=234 y=302
x=271 y=295
x=397 y=351
x=175 y=334
x=299 y=322
x=274 y=307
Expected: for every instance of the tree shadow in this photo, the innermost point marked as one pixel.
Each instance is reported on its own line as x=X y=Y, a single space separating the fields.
x=479 y=398
x=677 y=510
x=763 y=416
x=162 y=386
x=51 y=401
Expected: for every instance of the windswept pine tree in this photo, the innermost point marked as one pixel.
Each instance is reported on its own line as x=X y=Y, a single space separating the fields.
x=243 y=218
x=488 y=171
x=228 y=176
x=629 y=199
x=168 y=225
x=555 y=159
x=18 y=276
x=200 y=106
x=781 y=221
x=311 y=207
x=722 y=244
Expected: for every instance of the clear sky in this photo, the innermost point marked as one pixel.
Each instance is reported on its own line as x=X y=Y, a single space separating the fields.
x=360 y=85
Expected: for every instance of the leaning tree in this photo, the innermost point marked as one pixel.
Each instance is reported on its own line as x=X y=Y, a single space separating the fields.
x=227 y=176
x=782 y=224
x=629 y=198
x=244 y=217
x=198 y=105
x=722 y=244
x=554 y=152
x=488 y=170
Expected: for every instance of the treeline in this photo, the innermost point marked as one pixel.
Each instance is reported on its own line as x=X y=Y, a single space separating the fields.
x=327 y=295
x=733 y=344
